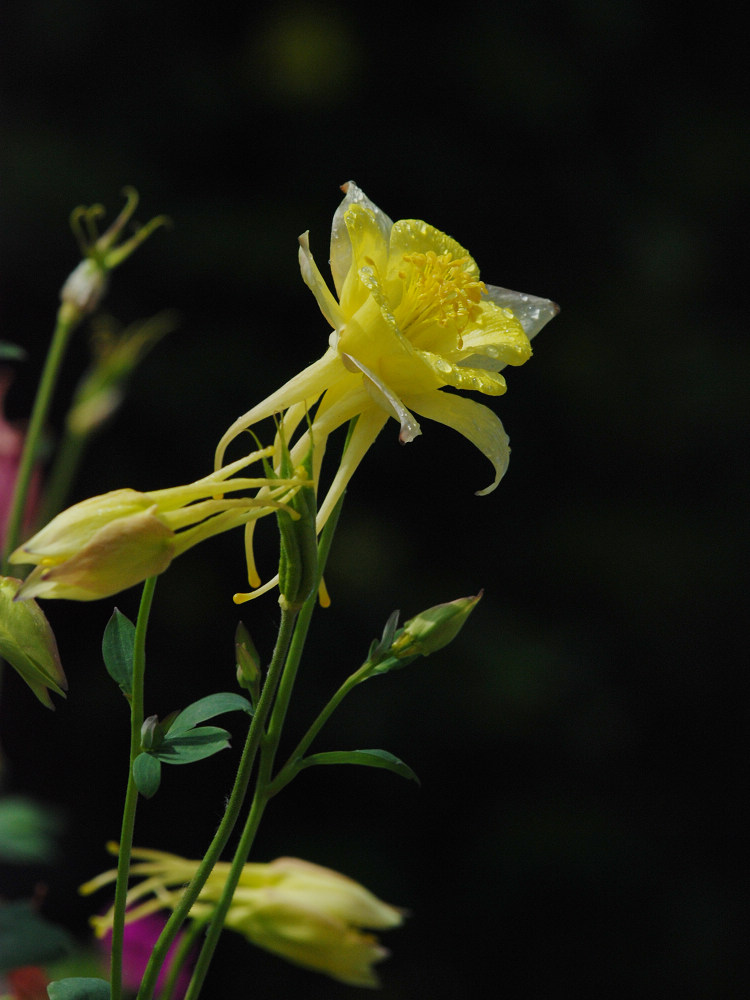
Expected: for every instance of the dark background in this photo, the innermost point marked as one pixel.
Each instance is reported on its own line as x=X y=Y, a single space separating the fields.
x=576 y=831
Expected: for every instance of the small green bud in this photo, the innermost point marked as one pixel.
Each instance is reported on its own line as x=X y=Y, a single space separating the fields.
x=433 y=628
x=28 y=643
x=248 y=662
x=151 y=733
x=298 y=560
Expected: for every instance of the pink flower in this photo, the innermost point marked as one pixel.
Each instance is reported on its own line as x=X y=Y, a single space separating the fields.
x=11 y=446
x=140 y=938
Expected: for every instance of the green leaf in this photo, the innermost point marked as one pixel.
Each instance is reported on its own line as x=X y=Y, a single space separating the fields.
x=11 y=352
x=117 y=649
x=366 y=758
x=28 y=939
x=27 y=830
x=197 y=744
x=379 y=647
x=207 y=708
x=147 y=774
x=78 y=988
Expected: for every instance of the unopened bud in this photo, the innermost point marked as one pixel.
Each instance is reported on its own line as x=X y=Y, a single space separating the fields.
x=434 y=628
x=248 y=662
x=84 y=288
x=151 y=735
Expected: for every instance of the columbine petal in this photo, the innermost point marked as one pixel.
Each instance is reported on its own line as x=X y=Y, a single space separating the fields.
x=463 y=376
x=368 y=426
x=341 y=246
x=306 y=386
x=314 y=280
x=476 y=422
x=532 y=312
x=386 y=400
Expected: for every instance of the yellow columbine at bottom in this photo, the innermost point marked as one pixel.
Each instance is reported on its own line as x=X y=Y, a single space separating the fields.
x=307 y=914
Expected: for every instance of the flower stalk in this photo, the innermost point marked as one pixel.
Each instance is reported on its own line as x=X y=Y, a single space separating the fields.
x=131 y=792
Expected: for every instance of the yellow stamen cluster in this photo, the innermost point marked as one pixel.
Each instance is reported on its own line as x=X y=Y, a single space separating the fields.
x=440 y=290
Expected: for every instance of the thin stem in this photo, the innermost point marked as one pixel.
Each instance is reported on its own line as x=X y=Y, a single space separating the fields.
x=298 y=643
x=63 y=329
x=181 y=955
x=293 y=653
x=290 y=768
x=64 y=470
x=231 y=814
x=217 y=919
x=131 y=794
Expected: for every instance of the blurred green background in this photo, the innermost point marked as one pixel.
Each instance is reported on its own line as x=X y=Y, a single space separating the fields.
x=576 y=832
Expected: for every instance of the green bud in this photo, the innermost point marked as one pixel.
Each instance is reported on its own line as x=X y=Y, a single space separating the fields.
x=433 y=628
x=151 y=733
x=28 y=643
x=248 y=662
x=298 y=559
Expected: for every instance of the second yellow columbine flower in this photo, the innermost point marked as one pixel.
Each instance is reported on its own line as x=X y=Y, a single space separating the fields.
x=108 y=543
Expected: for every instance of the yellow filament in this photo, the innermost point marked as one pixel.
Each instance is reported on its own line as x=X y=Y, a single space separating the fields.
x=440 y=289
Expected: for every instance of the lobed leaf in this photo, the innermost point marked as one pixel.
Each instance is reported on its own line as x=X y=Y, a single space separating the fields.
x=207 y=708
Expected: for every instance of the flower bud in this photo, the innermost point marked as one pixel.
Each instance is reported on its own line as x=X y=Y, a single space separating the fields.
x=248 y=662
x=84 y=288
x=124 y=551
x=433 y=628
x=28 y=643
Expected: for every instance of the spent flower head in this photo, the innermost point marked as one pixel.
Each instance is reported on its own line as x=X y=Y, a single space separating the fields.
x=413 y=325
x=102 y=253
x=308 y=914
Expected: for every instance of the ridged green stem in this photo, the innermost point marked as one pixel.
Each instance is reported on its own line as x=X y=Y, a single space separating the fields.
x=131 y=794
x=292 y=657
x=231 y=814
x=64 y=327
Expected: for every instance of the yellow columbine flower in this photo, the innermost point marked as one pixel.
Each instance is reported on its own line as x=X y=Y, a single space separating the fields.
x=412 y=319
x=307 y=914
x=108 y=543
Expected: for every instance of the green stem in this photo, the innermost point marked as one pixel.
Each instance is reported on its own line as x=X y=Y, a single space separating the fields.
x=291 y=767
x=64 y=469
x=181 y=955
x=131 y=794
x=231 y=814
x=298 y=642
x=63 y=329
x=293 y=653
x=217 y=918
